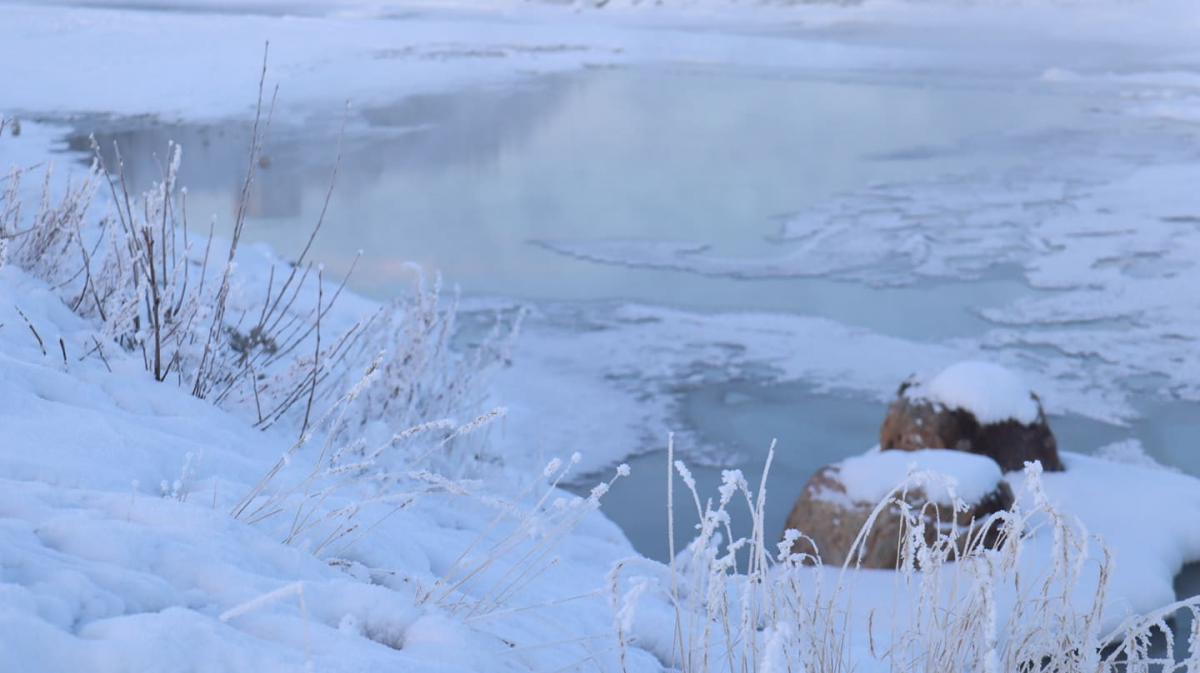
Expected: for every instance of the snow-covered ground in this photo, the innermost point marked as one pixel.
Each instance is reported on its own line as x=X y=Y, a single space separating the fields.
x=117 y=550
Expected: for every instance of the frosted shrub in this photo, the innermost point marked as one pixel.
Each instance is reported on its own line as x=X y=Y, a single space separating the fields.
x=42 y=241
x=137 y=281
x=421 y=377
x=328 y=491
x=325 y=493
x=263 y=340
x=151 y=286
x=518 y=545
x=260 y=340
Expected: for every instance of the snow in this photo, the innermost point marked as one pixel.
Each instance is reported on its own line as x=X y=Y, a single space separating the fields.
x=345 y=51
x=943 y=475
x=1138 y=574
x=98 y=565
x=992 y=393
x=1134 y=510
x=1131 y=452
x=363 y=60
x=101 y=568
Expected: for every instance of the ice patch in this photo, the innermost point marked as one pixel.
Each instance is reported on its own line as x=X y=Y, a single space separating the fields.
x=629 y=365
x=1131 y=452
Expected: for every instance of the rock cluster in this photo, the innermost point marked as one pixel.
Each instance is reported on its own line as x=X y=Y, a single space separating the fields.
x=913 y=422
x=975 y=408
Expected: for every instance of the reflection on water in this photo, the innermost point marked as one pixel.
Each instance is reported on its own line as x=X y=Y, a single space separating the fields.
x=424 y=133
x=463 y=182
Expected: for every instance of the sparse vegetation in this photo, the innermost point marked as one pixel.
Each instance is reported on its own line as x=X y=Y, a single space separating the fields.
x=160 y=290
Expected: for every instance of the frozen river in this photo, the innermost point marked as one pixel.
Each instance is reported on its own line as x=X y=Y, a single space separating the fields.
x=734 y=224
x=732 y=254
x=486 y=185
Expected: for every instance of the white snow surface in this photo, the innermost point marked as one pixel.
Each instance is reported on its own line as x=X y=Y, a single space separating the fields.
x=943 y=475
x=118 y=551
x=989 y=391
x=1141 y=528
x=363 y=52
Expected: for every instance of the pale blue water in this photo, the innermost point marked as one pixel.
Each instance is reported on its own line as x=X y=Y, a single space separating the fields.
x=463 y=182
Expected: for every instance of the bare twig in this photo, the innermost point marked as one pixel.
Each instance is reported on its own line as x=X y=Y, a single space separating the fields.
x=312 y=391
x=41 y=344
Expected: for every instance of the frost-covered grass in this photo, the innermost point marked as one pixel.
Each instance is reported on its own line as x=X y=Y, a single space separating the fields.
x=1041 y=599
x=249 y=331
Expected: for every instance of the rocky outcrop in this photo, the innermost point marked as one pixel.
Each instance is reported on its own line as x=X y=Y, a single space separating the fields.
x=833 y=508
x=915 y=422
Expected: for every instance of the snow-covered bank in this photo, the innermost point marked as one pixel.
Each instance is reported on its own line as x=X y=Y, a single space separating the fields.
x=368 y=60
x=314 y=59
x=119 y=552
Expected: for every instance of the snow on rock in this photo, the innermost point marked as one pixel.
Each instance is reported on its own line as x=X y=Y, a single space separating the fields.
x=840 y=500
x=942 y=473
x=1146 y=517
x=992 y=393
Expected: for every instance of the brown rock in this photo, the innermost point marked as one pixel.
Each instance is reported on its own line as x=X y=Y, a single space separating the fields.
x=914 y=423
x=830 y=518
